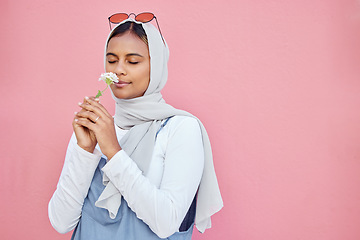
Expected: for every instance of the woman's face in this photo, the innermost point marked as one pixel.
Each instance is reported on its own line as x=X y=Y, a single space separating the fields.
x=128 y=57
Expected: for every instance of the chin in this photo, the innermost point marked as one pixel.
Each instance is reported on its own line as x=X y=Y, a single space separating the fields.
x=124 y=96
x=121 y=94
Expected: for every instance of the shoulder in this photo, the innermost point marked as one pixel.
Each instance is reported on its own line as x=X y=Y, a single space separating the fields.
x=183 y=123
x=181 y=126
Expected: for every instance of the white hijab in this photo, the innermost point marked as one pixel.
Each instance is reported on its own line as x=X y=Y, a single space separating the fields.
x=143 y=116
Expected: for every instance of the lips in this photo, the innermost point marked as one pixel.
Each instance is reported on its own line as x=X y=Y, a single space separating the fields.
x=121 y=84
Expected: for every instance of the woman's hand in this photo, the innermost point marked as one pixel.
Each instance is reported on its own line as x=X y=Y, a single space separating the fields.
x=85 y=137
x=97 y=119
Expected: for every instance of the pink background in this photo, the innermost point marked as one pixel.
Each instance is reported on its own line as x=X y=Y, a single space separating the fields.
x=276 y=83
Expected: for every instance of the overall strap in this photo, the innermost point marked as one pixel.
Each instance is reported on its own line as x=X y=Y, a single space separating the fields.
x=162 y=126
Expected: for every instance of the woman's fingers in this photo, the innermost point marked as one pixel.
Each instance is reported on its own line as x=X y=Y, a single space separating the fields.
x=92 y=109
x=87 y=114
x=96 y=119
x=96 y=103
x=85 y=122
x=86 y=138
x=93 y=112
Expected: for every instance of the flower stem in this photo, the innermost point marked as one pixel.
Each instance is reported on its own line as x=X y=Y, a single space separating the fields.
x=101 y=92
x=105 y=88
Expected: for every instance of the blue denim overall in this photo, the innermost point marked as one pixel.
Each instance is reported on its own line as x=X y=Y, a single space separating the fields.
x=95 y=223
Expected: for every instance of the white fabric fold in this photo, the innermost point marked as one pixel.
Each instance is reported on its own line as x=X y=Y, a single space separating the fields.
x=109 y=199
x=143 y=116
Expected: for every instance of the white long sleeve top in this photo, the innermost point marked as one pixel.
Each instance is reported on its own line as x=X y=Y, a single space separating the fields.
x=161 y=198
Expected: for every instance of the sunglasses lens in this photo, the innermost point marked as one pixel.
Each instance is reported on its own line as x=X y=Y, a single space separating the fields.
x=118 y=17
x=144 y=17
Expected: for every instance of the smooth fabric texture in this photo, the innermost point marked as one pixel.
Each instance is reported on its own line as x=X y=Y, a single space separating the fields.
x=143 y=115
x=95 y=223
x=161 y=198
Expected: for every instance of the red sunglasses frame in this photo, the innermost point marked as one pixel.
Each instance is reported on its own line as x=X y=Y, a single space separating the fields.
x=144 y=17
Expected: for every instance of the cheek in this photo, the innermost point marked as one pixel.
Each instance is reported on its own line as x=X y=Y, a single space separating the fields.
x=112 y=87
x=144 y=75
x=146 y=83
x=146 y=78
x=107 y=67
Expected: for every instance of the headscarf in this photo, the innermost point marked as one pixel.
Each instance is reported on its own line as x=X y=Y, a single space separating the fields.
x=143 y=116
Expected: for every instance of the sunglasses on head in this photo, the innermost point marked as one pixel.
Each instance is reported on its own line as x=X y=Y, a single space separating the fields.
x=144 y=17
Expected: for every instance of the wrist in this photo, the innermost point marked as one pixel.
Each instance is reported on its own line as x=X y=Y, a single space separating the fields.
x=89 y=149
x=112 y=151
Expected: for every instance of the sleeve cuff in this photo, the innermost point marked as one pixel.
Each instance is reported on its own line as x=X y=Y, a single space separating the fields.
x=96 y=155
x=119 y=169
x=120 y=158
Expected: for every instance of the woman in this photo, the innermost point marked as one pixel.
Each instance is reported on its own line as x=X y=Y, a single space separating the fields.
x=147 y=172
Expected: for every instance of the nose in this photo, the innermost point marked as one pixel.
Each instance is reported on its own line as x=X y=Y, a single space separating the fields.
x=120 y=69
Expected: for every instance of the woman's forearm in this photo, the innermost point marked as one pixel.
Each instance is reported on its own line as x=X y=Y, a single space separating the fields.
x=162 y=208
x=66 y=203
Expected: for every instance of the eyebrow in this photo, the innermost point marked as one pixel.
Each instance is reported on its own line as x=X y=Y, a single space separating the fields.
x=128 y=55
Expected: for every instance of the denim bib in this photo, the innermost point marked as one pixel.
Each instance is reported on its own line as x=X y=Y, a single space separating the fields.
x=95 y=223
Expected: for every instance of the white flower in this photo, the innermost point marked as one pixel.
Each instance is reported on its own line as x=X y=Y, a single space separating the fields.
x=109 y=78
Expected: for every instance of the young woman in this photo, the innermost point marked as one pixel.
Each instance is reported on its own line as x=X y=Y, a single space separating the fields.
x=147 y=172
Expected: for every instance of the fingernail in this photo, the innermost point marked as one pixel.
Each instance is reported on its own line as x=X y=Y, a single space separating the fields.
x=76 y=120
x=97 y=99
x=79 y=103
x=86 y=97
x=75 y=113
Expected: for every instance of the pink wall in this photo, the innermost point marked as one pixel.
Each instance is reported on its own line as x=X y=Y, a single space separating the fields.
x=275 y=82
